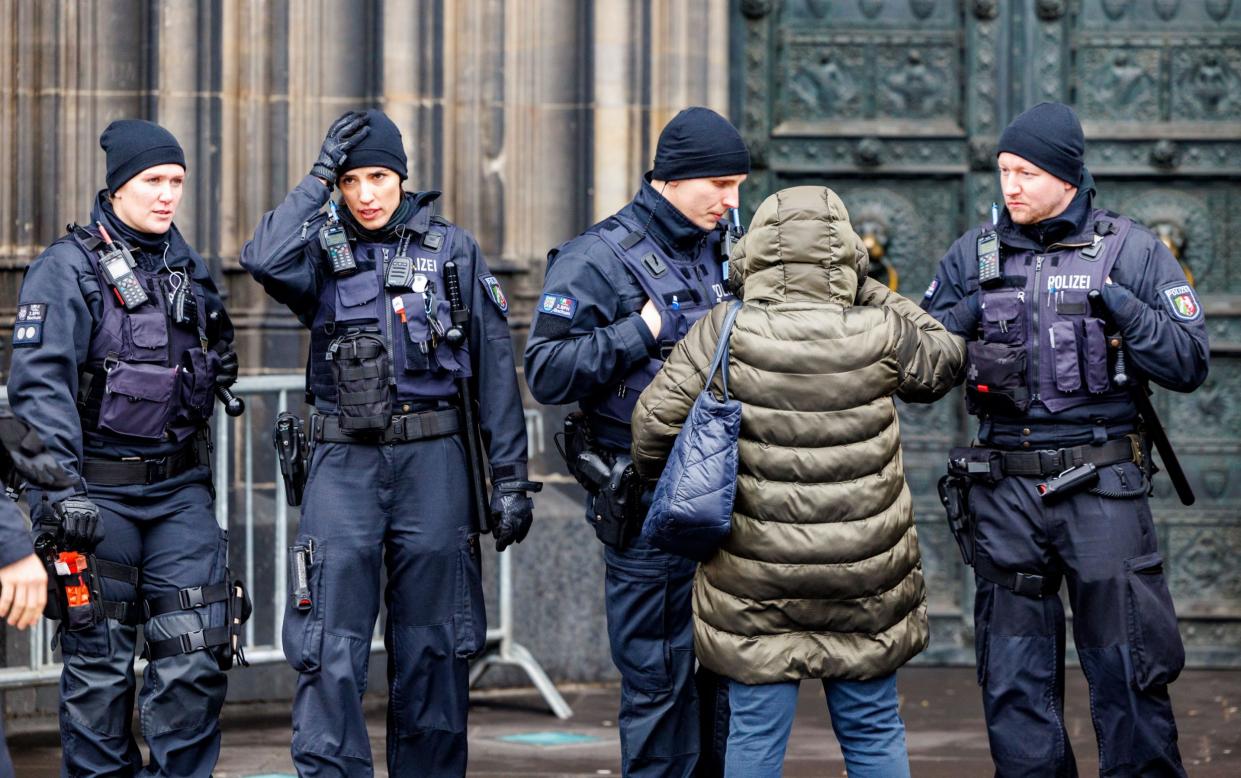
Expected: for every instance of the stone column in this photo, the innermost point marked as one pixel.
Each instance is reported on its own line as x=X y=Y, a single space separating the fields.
x=653 y=58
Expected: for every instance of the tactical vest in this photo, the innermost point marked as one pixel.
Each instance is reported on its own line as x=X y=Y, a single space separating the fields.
x=1039 y=341
x=146 y=377
x=682 y=290
x=371 y=346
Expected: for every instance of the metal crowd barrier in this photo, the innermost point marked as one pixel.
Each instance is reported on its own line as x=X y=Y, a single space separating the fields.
x=240 y=454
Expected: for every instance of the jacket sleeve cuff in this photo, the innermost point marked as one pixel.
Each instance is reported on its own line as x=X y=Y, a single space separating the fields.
x=637 y=338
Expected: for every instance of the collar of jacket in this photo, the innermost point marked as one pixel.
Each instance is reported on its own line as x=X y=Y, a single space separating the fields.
x=147 y=242
x=413 y=214
x=660 y=219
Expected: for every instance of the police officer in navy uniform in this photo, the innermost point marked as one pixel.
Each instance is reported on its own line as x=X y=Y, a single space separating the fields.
x=1040 y=380
x=389 y=476
x=615 y=300
x=120 y=342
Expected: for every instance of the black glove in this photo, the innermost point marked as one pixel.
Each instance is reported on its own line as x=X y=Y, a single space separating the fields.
x=80 y=527
x=226 y=371
x=512 y=511
x=344 y=133
x=23 y=451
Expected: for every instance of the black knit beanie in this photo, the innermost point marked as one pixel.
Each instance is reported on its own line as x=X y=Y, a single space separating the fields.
x=381 y=147
x=699 y=143
x=1050 y=136
x=133 y=145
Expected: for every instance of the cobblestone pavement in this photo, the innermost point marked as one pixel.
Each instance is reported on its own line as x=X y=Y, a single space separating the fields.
x=512 y=734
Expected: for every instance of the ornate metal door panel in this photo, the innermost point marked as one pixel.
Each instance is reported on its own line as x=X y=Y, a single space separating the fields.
x=897 y=105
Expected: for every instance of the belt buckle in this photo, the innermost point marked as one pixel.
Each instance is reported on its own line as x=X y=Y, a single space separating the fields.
x=1051 y=461
x=156 y=469
x=191 y=598
x=398 y=427
x=1135 y=449
x=193 y=641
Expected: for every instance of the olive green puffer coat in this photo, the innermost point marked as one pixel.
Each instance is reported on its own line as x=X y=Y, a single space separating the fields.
x=821 y=577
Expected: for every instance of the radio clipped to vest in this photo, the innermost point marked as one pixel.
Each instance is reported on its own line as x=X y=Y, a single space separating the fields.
x=118 y=268
x=335 y=241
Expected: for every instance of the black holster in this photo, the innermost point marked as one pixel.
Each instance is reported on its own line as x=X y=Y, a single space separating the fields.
x=610 y=478
x=954 y=494
x=289 y=438
x=965 y=466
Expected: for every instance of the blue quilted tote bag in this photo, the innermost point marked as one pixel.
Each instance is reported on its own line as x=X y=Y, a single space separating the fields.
x=691 y=512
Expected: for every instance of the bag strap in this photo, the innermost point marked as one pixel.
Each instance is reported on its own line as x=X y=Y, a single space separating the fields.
x=720 y=362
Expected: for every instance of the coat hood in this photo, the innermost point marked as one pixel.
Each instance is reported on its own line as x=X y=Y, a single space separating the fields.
x=800 y=248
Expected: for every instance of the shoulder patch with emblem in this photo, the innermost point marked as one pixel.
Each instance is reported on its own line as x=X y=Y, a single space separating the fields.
x=932 y=289
x=1182 y=302
x=492 y=287
x=558 y=305
x=28 y=327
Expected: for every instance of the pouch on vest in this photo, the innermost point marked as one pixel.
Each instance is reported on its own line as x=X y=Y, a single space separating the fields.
x=355 y=296
x=1004 y=316
x=362 y=371
x=199 y=369
x=146 y=336
x=1063 y=335
x=1094 y=346
x=996 y=378
x=451 y=360
x=138 y=400
x=417 y=335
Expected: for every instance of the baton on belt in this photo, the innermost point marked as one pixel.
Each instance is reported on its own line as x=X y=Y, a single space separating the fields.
x=455 y=336
x=1140 y=394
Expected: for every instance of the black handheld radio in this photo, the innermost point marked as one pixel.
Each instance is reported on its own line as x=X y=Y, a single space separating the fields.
x=335 y=241
x=989 y=252
x=118 y=268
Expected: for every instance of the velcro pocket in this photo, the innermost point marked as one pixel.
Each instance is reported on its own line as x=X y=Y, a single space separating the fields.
x=1094 y=346
x=1004 y=316
x=1155 y=647
x=355 y=296
x=1063 y=335
x=147 y=336
x=138 y=400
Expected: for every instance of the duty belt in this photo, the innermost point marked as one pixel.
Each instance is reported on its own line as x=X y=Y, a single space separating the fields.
x=1049 y=462
x=127 y=472
x=401 y=428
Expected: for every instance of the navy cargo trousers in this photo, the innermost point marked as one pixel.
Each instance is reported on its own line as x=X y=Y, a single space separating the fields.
x=175 y=542
x=405 y=506
x=1124 y=627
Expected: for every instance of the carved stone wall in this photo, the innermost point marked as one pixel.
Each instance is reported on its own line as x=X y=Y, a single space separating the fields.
x=898 y=104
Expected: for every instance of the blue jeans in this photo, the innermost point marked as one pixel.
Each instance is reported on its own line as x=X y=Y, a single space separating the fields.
x=865 y=718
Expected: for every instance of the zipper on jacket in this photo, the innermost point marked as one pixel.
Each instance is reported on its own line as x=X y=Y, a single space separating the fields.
x=387 y=304
x=305 y=229
x=1036 y=340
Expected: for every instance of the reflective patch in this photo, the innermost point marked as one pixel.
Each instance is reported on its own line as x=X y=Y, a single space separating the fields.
x=558 y=305
x=933 y=288
x=492 y=287
x=1182 y=302
x=28 y=327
